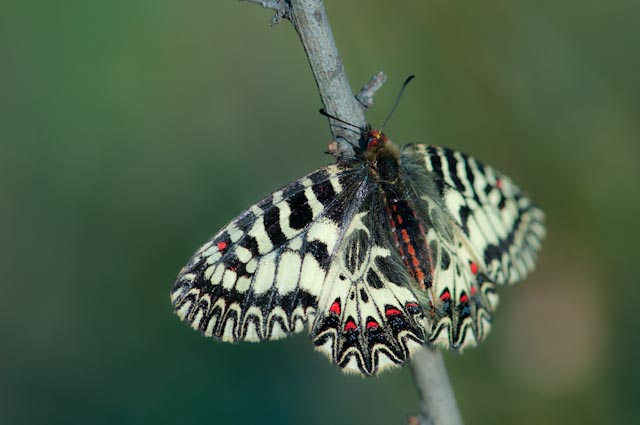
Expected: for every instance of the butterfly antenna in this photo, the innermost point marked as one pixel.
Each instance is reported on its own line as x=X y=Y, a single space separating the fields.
x=395 y=105
x=326 y=114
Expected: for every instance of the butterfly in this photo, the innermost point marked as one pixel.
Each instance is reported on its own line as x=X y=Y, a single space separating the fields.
x=386 y=250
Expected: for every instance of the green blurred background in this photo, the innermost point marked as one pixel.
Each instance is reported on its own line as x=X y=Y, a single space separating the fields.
x=132 y=130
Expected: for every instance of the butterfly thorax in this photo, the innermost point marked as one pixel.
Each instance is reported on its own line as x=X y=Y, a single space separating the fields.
x=408 y=229
x=382 y=156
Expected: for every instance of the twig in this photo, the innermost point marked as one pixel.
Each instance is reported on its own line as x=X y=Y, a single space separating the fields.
x=309 y=18
x=437 y=401
x=366 y=93
x=310 y=21
x=280 y=6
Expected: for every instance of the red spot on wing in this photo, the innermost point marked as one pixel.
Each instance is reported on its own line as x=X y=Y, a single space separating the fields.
x=335 y=308
x=392 y=312
x=473 y=290
x=413 y=308
x=474 y=268
x=372 y=325
x=222 y=245
x=499 y=183
x=445 y=296
x=350 y=325
x=464 y=298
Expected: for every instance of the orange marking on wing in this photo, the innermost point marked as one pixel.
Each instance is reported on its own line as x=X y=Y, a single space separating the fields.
x=420 y=277
x=405 y=236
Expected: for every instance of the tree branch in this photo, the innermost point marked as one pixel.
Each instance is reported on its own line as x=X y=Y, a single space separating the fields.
x=309 y=18
x=437 y=402
x=310 y=21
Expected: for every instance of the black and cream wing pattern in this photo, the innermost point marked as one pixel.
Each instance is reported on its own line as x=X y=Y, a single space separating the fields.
x=375 y=256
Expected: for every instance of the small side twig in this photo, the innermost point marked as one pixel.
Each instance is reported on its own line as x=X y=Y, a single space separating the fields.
x=366 y=93
x=281 y=8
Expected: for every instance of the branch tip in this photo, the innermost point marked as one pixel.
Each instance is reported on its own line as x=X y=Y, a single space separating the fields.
x=366 y=93
x=281 y=7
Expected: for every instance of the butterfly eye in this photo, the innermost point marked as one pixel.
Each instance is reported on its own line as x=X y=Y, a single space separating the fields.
x=376 y=138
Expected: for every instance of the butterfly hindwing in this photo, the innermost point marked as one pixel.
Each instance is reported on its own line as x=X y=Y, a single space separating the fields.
x=482 y=230
x=463 y=296
x=368 y=316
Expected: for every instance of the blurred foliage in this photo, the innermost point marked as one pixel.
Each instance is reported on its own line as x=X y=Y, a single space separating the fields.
x=132 y=130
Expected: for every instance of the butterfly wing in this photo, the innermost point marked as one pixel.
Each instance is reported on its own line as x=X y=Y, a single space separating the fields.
x=463 y=296
x=368 y=318
x=500 y=222
x=260 y=277
x=482 y=230
x=275 y=269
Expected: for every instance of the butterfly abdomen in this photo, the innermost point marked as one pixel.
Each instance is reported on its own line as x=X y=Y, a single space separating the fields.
x=411 y=241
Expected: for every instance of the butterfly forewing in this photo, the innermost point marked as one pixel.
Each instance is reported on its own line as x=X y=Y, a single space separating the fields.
x=501 y=223
x=261 y=275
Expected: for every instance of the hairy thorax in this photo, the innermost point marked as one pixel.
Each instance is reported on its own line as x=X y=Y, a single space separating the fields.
x=383 y=157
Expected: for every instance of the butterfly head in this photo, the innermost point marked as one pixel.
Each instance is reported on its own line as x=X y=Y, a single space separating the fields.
x=375 y=144
x=376 y=138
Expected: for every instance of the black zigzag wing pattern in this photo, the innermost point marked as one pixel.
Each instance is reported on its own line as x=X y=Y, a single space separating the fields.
x=482 y=230
x=498 y=218
x=260 y=277
x=369 y=318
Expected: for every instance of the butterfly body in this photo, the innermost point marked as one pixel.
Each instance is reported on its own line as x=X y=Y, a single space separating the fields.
x=376 y=255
